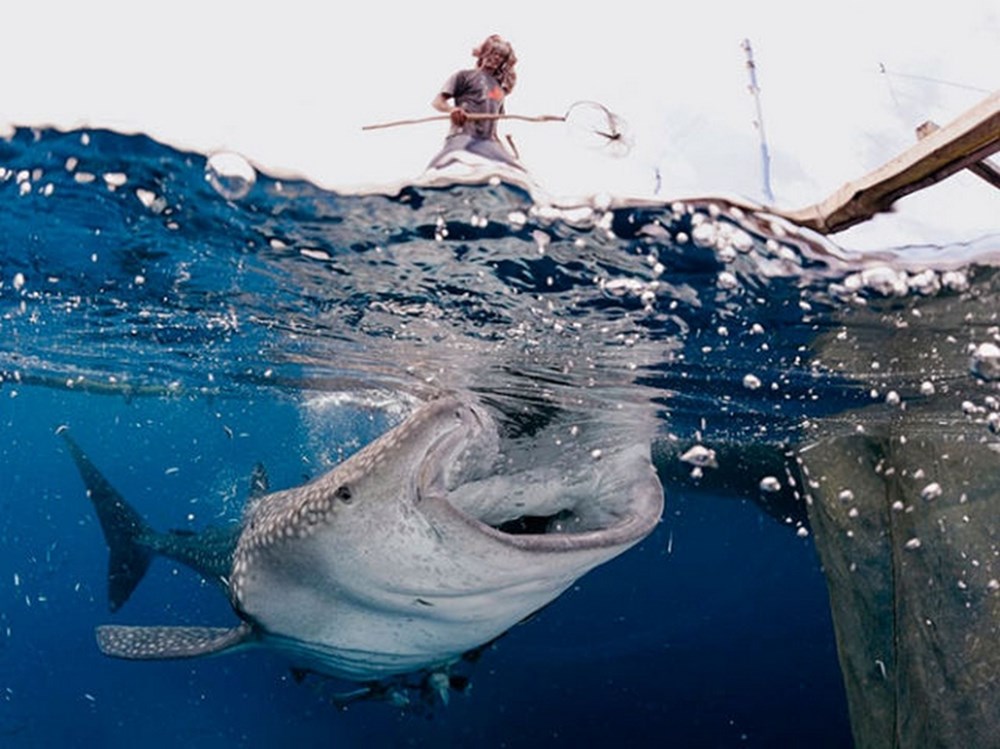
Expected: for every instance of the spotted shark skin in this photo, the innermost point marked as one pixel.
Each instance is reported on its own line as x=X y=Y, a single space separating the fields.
x=381 y=567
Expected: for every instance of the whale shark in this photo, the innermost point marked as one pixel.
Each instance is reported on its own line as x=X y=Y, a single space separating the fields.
x=415 y=550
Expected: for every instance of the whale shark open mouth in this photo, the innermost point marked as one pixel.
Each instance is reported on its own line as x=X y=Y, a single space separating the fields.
x=551 y=503
x=583 y=506
x=548 y=505
x=535 y=525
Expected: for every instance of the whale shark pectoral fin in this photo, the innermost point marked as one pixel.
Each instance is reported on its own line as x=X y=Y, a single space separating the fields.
x=160 y=643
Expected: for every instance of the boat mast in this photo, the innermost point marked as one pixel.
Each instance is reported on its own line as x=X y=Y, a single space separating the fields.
x=765 y=157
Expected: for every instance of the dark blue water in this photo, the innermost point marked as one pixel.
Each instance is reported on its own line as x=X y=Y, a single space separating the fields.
x=183 y=336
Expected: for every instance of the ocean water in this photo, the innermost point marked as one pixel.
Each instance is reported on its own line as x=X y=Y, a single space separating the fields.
x=184 y=326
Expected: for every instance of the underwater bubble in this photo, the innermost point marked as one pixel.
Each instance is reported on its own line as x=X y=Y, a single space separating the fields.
x=881 y=280
x=230 y=174
x=700 y=456
x=742 y=241
x=770 y=484
x=704 y=234
x=985 y=361
x=727 y=280
x=913 y=543
x=931 y=491
x=155 y=203
x=993 y=421
x=146 y=197
x=927 y=388
x=925 y=282
x=955 y=280
x=969 y=408
x=315 y=254
x=115 y=180
x=751 y=382
x=886 y=281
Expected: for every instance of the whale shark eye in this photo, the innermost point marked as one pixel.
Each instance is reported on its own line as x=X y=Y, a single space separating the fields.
x=343 y=493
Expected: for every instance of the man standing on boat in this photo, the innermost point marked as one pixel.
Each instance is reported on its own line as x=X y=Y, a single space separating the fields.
x=479 y=91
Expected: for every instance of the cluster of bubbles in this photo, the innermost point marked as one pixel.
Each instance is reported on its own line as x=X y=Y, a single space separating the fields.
x=886 y=281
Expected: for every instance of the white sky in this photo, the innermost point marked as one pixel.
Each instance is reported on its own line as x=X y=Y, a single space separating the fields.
x=290 y=85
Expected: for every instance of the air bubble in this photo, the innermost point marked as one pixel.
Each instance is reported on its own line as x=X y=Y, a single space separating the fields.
x=230 y=174
x=770 y=484
x=931 y=491
x=727 y=280
x=985 y=361
x=700 y=456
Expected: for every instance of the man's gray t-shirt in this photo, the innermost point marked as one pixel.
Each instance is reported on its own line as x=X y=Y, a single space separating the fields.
x=475 y=91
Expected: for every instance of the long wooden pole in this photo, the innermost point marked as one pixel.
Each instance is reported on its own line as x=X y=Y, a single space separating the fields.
x=972 y=137
x=471 y=116
x=984 y=169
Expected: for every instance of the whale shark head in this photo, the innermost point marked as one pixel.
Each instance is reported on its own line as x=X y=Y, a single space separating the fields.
x=412 y=551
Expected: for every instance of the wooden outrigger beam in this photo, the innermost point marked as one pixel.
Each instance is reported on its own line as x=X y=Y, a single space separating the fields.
x=961 y=144
x=986 y=170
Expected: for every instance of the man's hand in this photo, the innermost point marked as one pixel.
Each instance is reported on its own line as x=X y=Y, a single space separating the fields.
x=458 y=116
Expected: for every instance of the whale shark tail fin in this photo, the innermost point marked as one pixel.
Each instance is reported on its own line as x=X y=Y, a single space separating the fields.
x=158 y=643
x=122 y=526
